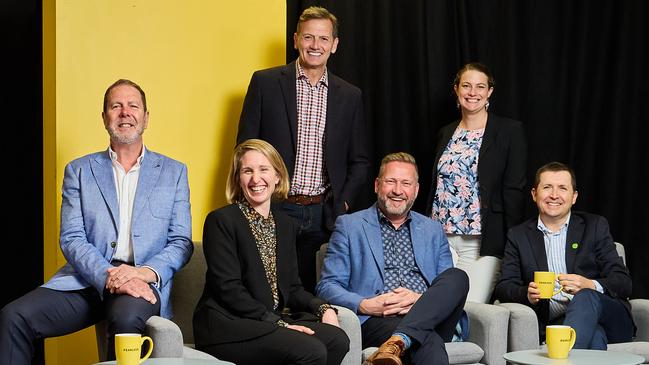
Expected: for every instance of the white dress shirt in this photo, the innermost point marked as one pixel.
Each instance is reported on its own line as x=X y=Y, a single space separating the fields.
x=126 y=185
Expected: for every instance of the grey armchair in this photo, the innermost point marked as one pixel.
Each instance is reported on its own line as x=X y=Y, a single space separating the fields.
x=524 y=328
x=487 y=338
x=176 y=338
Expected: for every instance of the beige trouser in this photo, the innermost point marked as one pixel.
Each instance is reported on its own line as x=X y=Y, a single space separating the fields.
x=483 y=271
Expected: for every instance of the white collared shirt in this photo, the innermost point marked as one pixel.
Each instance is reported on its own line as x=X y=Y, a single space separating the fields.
x=126 y=185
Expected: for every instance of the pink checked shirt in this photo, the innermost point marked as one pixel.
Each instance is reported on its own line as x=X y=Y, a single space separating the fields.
x=309 y=177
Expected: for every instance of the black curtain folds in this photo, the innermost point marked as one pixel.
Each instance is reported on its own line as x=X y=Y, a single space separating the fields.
x=22 y=269
x=574 y=72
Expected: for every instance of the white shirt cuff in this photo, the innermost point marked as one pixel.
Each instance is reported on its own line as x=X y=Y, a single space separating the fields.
x=157 y=276
x=598 y=287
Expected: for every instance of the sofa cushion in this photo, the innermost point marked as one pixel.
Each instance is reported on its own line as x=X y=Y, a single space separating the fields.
x=639 y=348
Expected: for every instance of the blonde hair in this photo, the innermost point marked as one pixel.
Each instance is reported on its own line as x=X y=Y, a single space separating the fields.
x=233 y=191
x=399 y=157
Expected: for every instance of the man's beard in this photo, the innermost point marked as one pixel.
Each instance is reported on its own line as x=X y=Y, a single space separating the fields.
x=123 y=138
x=396 y=211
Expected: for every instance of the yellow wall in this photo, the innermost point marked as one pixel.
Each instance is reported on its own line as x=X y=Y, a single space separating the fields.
x=193 y=58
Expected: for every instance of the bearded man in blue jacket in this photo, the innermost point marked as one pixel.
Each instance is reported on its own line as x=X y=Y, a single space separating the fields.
x=393 y=267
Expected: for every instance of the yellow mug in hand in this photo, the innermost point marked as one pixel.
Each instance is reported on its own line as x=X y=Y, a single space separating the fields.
x=128 y=347
x=560 y=340
x=545 y=282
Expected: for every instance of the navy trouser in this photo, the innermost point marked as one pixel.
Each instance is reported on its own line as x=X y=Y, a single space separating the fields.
x=598 y=320
x=429 y=323
x=44 y=313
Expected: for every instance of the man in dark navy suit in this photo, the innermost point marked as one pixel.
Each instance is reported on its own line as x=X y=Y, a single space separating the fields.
x=578 y=246
x=315 y=120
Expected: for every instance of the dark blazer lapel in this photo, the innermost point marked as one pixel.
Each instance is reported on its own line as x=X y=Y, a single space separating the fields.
x=283 y=266
x=421 y=247
x=372 y=232
x=287 y=84
x=576 y=229
x=535 y=238
x=150 y=168
x=333 y=107
x=255 y=267
x=102 y=169
x=489 y=136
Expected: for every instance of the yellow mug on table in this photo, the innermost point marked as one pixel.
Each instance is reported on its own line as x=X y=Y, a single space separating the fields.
x=560 y=340
x=545 y=282
x=128 y=347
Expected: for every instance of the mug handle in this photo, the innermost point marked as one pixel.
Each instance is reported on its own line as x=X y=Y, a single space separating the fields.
x=556 y=278
x=573 y=338
x=148 y=353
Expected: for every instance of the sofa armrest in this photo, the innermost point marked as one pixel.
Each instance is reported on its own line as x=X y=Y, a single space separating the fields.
x=523 y=327
x=488 y=329
x=640 y=311
x=352 y=326
x=166 y=336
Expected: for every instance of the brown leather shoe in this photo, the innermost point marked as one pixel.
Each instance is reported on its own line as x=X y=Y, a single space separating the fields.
x=389 y=353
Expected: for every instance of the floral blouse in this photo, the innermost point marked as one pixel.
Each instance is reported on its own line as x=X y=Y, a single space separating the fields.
x=457 y=199
x=263 y=229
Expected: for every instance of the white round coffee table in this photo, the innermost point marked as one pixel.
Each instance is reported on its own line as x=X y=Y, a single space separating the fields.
x=576 y=357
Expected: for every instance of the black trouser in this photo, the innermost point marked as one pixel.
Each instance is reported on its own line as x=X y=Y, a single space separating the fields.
x=429 y=323
x=44 y=313
x=327 y=346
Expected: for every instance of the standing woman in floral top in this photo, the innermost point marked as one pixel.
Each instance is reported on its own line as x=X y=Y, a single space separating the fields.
x=478 y=181
x=252 y=278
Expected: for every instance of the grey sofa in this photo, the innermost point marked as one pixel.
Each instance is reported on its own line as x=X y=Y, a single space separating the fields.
x=175 y=338
x=487 y=337
x=524 y=328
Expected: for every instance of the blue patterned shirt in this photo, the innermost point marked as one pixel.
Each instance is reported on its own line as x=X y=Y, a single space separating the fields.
x=401 y=270
x=457 y=200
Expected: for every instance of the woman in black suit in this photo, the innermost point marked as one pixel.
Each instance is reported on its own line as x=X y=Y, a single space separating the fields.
x=254 y=309
x=478 y=181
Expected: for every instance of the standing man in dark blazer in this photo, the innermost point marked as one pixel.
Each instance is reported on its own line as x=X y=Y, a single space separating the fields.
x=315 y=120
x=578 y=246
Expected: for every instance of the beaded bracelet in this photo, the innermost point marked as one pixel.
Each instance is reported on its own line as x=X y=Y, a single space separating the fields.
x=281 y=323
x=323 y=308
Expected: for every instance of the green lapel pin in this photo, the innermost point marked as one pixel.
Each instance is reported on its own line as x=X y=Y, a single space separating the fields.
x=575 y=245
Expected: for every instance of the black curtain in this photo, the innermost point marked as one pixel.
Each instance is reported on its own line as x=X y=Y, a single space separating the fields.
x=21 y=97
x=574 y=72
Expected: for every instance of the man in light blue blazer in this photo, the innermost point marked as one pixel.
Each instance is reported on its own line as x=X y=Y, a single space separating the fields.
x=393 y=267
x=125 y=231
